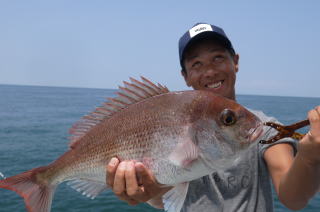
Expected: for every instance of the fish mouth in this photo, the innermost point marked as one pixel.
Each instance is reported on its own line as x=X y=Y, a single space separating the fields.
x=255 y=133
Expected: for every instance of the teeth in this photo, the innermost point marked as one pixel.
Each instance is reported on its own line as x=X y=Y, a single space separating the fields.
x=214 y=85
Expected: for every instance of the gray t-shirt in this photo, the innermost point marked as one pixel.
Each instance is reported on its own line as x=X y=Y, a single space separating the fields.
x=244 y=187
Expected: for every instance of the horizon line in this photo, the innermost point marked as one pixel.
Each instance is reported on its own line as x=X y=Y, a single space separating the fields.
x=76 y=87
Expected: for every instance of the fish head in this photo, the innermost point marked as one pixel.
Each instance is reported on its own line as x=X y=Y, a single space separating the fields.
x=226 y=129
x=233 y=121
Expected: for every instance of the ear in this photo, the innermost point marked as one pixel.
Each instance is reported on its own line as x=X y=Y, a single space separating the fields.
x=185 y=76
x=236 y=62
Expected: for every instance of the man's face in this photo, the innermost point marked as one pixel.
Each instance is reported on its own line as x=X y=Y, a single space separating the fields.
x=210 y=66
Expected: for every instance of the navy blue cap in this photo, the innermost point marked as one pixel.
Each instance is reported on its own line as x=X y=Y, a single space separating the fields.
x=200 y=31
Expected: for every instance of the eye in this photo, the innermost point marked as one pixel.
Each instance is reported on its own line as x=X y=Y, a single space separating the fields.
x=196 y=64
x=218 y=58
x=228 y=117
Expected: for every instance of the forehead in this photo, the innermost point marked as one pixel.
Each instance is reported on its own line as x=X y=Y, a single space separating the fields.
x=203 y=45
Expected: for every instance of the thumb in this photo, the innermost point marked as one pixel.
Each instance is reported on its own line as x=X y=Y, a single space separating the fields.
x=144 y=175
x=314 y=118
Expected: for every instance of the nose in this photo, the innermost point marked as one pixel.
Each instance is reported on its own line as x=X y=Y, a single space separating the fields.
x=209 y=72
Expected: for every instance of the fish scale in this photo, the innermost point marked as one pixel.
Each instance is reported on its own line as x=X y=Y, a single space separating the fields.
x=179 y=136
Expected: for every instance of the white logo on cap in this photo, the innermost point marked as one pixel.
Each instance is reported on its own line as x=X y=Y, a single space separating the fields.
x=199 y=28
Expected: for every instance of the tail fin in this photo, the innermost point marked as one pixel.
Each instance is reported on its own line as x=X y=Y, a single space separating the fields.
x=35 y=190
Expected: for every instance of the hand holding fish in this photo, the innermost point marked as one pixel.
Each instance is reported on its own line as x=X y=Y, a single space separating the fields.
x=122 y=178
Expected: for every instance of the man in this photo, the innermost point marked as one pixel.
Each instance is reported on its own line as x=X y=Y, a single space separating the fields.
x=209 y=62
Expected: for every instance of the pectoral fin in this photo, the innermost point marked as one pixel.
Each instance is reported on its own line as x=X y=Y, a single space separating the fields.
x=184 y=153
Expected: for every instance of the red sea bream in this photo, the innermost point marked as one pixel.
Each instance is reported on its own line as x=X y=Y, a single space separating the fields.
x=180 y=136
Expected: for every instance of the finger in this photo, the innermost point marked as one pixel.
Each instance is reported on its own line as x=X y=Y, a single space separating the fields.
x=145 y=176
x=132 y=187
x=318 y=110
x=111 y=171
x=314 y=118
x=119 y=185
x=151 y=188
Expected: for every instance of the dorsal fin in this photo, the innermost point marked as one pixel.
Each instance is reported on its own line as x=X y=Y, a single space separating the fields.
x=132 y=92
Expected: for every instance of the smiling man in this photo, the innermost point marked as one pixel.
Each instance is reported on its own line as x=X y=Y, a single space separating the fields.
x=209 y=62
x=210 y=67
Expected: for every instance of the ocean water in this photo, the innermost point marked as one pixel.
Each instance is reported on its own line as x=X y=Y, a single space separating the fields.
x=34 y=123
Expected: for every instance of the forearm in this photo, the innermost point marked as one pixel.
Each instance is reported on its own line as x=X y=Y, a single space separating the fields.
x=300 y=183
x=297 y=179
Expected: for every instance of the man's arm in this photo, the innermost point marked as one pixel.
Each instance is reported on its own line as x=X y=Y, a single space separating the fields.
x=297 y=179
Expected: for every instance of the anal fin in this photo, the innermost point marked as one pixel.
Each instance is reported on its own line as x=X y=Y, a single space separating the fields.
x=91 y=189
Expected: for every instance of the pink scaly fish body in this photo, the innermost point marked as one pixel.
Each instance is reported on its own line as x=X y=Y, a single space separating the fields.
x=180 y=136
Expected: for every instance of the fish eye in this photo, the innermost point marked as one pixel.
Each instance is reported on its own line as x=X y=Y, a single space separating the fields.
x=228 y=117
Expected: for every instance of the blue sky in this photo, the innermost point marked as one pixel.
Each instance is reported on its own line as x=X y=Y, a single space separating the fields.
x=98 y=44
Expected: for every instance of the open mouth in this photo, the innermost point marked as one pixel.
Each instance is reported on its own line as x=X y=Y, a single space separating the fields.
x=214 y=85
